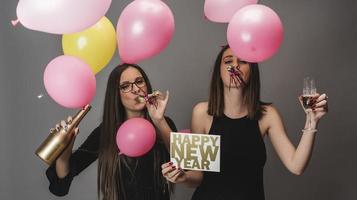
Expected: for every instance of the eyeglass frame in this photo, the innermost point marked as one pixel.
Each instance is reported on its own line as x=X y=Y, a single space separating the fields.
x=132 y=84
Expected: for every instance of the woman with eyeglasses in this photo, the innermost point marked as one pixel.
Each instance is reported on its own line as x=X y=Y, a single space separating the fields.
x=234 y=111
x=120 y=177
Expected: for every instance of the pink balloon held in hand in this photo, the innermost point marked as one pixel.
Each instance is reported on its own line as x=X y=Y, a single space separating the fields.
x=70 y=82
x=255 y=33
x=144 y=29
x=135 y=137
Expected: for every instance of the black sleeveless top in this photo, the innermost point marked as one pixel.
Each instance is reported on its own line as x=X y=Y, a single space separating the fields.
x=243 y=156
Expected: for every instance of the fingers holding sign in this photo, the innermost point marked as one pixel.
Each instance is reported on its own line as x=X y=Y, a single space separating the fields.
x=172 y=173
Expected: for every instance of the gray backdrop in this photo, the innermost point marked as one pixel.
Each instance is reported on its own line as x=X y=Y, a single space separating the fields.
x=320 y=41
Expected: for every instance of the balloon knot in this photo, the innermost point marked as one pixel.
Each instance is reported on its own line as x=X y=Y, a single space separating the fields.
x=15 y=22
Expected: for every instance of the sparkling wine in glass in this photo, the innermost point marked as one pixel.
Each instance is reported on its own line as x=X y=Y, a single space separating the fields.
x=309 y=94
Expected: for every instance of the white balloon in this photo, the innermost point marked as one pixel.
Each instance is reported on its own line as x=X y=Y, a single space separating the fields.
x=61 y=16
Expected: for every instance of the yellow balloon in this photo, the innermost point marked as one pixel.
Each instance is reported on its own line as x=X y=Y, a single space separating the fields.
x=95 y=45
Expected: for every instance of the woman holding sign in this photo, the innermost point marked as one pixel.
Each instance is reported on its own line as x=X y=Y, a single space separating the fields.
x=119 y=176
x=234 y=111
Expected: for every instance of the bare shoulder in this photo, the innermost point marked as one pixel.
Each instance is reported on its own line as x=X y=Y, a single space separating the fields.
x=201 y=108
x=270 y=116
x=200 y=118
x=270 y=111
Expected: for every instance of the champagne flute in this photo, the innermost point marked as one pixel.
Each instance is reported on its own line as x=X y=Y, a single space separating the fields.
x=309 y=96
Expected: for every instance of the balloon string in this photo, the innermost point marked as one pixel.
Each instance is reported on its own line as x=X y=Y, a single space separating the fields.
x=15 y=22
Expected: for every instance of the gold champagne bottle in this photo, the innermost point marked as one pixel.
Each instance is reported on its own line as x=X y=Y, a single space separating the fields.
x=58 y=140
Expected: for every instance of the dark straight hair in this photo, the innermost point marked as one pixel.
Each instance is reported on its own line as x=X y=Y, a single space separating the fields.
x=110 y=181
x=251 y=92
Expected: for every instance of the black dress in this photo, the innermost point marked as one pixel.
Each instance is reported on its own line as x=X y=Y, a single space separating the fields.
x=243 y=157
x=138 y=187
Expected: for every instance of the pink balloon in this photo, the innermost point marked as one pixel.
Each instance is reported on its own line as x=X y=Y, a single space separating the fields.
x=255 y=33
x=135 y=137
x=223 y=10
x=61 y=16
x=145 y=28
x=70 y=82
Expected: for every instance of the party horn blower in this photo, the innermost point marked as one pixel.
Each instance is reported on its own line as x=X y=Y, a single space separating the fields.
x=58 y=140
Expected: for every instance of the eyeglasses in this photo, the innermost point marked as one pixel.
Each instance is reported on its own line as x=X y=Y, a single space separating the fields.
x=128 y=86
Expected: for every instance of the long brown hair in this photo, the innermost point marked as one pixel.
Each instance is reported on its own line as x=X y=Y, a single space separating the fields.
x=110 y=181
x=251 y=93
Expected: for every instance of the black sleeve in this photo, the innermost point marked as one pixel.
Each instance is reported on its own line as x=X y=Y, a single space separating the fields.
x=171 y=124
x=80 y=159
